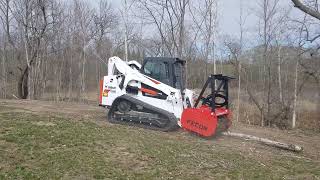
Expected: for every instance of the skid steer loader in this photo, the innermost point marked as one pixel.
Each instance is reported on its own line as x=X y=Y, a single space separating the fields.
x=154 y=96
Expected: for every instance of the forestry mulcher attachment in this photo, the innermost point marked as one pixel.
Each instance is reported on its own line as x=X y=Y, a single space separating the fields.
x=153 y=95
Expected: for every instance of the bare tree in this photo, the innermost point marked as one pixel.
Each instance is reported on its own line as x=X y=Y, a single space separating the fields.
x=242 y=21
x=169 y=18
x=104 y=20
x=3 y=76
x=204 y=15
x=272 y=19
x=5 y=19
x=311 y=8
x=32 y=17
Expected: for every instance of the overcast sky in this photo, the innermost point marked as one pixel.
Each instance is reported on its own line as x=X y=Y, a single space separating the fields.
x=229 y=13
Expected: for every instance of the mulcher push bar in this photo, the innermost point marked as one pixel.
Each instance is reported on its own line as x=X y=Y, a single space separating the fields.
x=221 y=91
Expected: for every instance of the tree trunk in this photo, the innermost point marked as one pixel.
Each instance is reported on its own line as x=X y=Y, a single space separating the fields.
x=318 y=104
x=262 y=116
x=221 y=67
x=239 y=91
x=214 y=58
x=83 y=76
x=30 y=84
x=60 y=78
x=181 y=26
x=4 y=75
x=44 y=74
x=290 y=147
x=37 y=79
x=265 y=50
x=295 y=96
x=57 y=93
x=279 y=74
x=70 y=77
x=23 y=84
x=126 y=31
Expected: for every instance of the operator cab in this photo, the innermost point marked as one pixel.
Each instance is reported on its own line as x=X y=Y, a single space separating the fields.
x=170 y=71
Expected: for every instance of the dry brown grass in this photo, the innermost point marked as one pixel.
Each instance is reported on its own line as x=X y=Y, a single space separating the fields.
x=307 y=115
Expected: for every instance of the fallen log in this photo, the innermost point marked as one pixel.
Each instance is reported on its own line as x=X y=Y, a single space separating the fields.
x=15 y=96
x=290 y=147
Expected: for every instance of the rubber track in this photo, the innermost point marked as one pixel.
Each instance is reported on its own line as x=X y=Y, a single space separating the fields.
x=172 y=125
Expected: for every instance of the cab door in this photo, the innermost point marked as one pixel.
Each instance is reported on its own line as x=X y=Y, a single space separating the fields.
x=158 y=70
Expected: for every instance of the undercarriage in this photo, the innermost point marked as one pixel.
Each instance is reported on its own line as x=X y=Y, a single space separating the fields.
x=130 y=111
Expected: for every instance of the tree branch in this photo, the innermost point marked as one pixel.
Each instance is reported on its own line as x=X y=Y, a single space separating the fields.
x=298 y=4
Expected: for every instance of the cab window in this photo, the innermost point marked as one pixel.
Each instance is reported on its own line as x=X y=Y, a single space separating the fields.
x=157 y=70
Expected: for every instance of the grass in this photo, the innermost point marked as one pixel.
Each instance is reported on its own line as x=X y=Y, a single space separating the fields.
x=41 y=147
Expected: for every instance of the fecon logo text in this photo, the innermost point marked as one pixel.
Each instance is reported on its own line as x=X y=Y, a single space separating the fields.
x=197 y=125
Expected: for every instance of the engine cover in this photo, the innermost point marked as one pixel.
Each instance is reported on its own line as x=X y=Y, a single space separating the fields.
x=200 y=120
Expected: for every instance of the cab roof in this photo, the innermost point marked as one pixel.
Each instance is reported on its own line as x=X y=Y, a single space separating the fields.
x=165 y=59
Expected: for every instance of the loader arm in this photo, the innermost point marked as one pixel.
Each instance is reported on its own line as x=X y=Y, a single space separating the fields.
x=132 y=78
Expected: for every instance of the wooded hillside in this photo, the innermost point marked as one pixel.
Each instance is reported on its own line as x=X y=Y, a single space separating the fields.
x=58 y=50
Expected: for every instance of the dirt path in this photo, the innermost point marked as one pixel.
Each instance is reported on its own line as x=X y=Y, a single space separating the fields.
x=309 y=141
x=67 y=109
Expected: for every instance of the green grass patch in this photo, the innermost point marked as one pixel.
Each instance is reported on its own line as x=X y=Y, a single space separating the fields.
x=42 y=147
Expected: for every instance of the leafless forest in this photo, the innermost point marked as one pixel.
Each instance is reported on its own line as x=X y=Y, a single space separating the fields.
x=57 y=50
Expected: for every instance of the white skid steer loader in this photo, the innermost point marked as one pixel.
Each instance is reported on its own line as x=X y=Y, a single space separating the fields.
x=153 y=95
